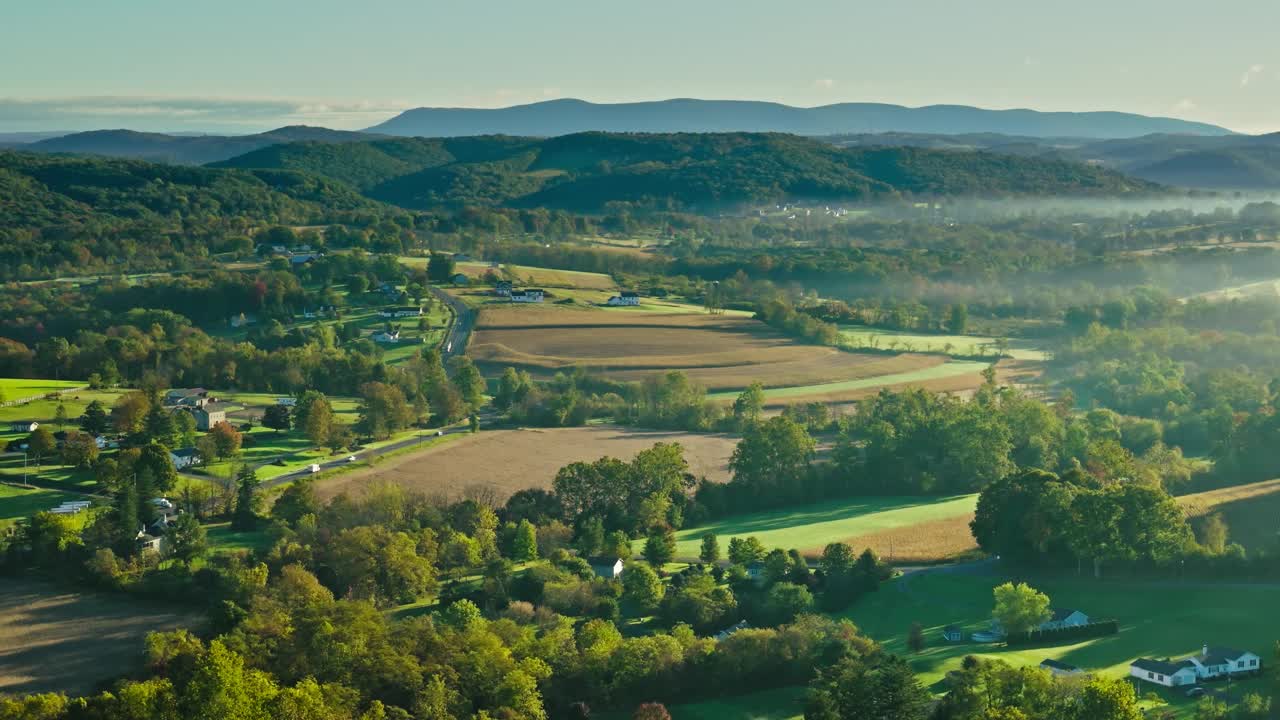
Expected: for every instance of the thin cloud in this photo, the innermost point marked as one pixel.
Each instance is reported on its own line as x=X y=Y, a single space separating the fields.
x=824 y=83
x=1250 y=74
x=1184 y=105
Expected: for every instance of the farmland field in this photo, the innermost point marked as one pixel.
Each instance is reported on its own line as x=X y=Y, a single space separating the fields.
x=719 y=352
x=52 y=640
x=510 y=460
x=948 y=376
x=526 y=275
x=1196 y=613
x=940 y=524
x=858 y=336
x=1252 y=512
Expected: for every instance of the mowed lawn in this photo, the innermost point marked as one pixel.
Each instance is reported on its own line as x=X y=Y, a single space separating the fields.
x=1252 y=512
x=809 y=528
x=1157 y=618
x=12 y=389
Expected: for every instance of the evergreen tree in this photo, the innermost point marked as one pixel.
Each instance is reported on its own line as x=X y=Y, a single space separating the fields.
x=710 y=551
x=526 y=542
x=660 y=547
x=248 y=502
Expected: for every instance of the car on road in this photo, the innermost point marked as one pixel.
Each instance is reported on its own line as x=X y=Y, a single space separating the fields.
x=314 y=468
x=351 y=458
x=439 y=433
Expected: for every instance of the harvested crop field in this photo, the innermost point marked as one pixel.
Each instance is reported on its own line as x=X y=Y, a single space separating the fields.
x=53 y=640
x=718 y=352
x=934 y=541
x=505 y=461
x=1250 y=511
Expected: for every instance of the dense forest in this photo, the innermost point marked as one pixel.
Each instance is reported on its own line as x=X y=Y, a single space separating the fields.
x=590 y=171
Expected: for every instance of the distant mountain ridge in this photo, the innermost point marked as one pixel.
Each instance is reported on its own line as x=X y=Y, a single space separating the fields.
x=184 y=149
x=568 y=116
x=1223 y=162
x=702 y=172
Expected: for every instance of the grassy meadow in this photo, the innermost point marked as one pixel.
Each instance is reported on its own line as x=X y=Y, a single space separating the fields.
x=860 y=337
x=809 y=528
x=1157 y=619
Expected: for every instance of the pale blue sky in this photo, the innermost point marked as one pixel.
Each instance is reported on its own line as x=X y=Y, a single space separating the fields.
x=255 y=64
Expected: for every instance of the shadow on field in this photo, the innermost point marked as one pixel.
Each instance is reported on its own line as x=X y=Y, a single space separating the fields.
x=53 y=640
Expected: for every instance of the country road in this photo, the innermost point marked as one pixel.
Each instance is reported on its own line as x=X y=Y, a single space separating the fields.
x=364 y=455
x=464 y=318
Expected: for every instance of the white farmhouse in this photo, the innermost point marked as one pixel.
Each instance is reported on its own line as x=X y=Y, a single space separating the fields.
x=382 y=336
x=1211 y=663
x=531 y=295
x=625 y=299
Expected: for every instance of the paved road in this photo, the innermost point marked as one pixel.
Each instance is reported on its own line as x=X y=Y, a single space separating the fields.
x=342 y=460
x=464 y=319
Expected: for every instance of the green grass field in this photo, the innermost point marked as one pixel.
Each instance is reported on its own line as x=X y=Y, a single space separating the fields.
x=222 y=539
x=17 y=503
x=812 y=527
x=1157 y=619
x=12 y=389
x=953 y=368
x=861 y=337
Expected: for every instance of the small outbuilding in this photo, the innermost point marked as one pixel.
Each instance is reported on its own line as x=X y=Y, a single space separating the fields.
x=952 y=634
x=606 y=566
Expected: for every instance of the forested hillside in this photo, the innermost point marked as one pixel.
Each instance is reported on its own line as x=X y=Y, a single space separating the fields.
x=183 y=149
x=707 y=172
x=85 y=214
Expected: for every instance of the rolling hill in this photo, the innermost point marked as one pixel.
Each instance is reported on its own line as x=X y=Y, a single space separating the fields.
x=690 y=171
x=183 y=149
x=1222 y=162
x=568 y=116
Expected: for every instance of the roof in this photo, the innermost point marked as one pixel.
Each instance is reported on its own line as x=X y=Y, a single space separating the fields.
x=1055 y=665
x=183 y=452
x=1163 y=667
x=628 y=293
x=1220 y=655
x=603 y=560
x=951 y=629
x=1060 y=614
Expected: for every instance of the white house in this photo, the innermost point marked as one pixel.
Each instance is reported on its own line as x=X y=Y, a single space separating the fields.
x=1215 y=662
x=502 y=288
x=1164 y=672
x=532 y=295
x=625 y=298
x=382 y=336
x=183 y=458
x=1212 y=662
x=606 y=567
x=287 y=401
x=400 y=312
x=1064 y=618
x=26 y=426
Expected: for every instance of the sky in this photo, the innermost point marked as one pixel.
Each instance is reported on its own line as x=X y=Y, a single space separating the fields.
x=251 y=65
